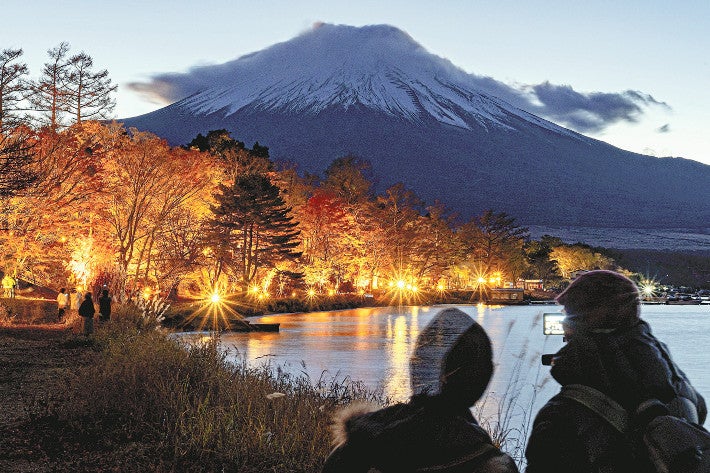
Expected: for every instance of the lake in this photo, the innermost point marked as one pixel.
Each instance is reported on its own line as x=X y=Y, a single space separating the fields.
x=373 y=345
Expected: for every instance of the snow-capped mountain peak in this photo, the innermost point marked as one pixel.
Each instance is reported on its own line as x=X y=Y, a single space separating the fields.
x=378 y=67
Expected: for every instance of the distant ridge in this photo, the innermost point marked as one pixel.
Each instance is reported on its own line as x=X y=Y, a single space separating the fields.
x=375 y=93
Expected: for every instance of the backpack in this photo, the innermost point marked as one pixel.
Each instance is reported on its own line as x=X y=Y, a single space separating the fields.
x=671 y=444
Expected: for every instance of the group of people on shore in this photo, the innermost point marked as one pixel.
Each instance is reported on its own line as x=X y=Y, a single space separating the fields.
x=83 y=305
x=611 y=357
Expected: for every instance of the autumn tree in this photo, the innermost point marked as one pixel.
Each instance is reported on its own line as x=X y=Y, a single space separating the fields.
x=233 y=156
x=435 y=249
x=350 y=178
x=87 y=93
x=252 y=228
x=16 y=139
x=147 y=185
x=537 y=253
x=398 y=213
x=577 y=257
x=327 y=236
x=41 y=220
x=17 y=156
x=180 y=249
x=491 y=238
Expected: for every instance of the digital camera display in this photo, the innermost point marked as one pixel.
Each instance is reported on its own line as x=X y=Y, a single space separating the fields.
x=552 y=324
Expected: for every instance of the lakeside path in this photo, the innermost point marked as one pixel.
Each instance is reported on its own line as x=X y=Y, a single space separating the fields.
x=36 y=363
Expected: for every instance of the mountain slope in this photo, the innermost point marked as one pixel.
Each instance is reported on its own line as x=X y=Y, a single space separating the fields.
x=375 y=93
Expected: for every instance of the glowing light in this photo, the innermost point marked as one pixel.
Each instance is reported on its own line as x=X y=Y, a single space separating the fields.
x=215 y=298
x=439 y=287
x=254 y=289
x=331 y=292
x=311 y=292
x=146 y=293
x=401 y=284
x=648 y=288
x=481 y=280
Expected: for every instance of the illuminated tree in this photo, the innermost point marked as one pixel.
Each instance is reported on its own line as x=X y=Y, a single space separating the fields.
x=436 y=249
x=350 y=179
x=147 y=185
x=327 y=237
x=16 y=139
x=17 y=156
x=180 y=250
x=233 y=157
x=398 y=215
x=41 y=221
x=577 y=257
x=252 y=228
x=491 y=238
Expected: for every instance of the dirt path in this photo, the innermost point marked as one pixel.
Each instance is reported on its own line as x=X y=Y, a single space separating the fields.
x=35 y=362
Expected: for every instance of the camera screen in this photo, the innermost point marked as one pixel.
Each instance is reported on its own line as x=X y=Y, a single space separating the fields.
x=552 y=324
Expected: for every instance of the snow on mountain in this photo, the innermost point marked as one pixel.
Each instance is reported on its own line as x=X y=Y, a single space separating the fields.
x=378 y=67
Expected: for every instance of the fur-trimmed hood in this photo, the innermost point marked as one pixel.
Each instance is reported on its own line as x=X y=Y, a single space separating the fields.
x=420 y=435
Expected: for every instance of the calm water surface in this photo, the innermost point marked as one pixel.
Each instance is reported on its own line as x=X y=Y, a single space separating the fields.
x=374 y=345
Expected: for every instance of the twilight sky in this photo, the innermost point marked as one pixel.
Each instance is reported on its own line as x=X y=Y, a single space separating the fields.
x=635 y=74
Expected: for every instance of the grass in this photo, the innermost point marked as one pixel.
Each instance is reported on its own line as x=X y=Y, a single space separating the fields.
x=147 y=402
x=512 y=414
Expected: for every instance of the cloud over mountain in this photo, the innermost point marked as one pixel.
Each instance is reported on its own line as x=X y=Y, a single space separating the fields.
x=582 y=111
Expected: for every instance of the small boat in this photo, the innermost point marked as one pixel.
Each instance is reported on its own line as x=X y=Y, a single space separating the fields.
x=246 y=326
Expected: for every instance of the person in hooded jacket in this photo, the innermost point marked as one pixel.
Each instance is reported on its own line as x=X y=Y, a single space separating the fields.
x=435 y=431
x=611 y=349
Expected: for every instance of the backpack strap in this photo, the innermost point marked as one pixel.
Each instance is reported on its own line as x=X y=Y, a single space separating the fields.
x=599 y=403
x=481 y=453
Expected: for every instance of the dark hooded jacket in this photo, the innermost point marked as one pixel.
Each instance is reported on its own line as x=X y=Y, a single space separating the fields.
x=631 y=366
x=434 y=431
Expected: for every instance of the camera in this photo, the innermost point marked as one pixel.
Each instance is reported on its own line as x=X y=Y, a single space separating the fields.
x=551 y=325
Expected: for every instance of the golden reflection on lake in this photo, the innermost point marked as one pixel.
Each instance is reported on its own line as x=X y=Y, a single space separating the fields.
x=374 y=345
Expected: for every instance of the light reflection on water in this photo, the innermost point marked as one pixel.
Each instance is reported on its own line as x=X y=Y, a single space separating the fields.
x=373 y=345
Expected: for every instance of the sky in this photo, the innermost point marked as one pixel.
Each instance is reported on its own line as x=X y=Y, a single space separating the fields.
x=637 y=73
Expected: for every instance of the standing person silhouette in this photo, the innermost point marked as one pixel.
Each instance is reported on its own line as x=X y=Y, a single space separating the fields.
x=610 y=350
x=104 y=306
x=435 y=431
x=62 y=304
x=87 y=311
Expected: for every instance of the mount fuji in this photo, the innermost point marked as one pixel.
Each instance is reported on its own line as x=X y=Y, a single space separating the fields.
x=375 y=93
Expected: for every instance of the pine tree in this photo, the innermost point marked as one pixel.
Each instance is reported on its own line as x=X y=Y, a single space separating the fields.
x=49 y=95
x=252 y=226
x=16 y=141
x=88 y=93
x=14 y=89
